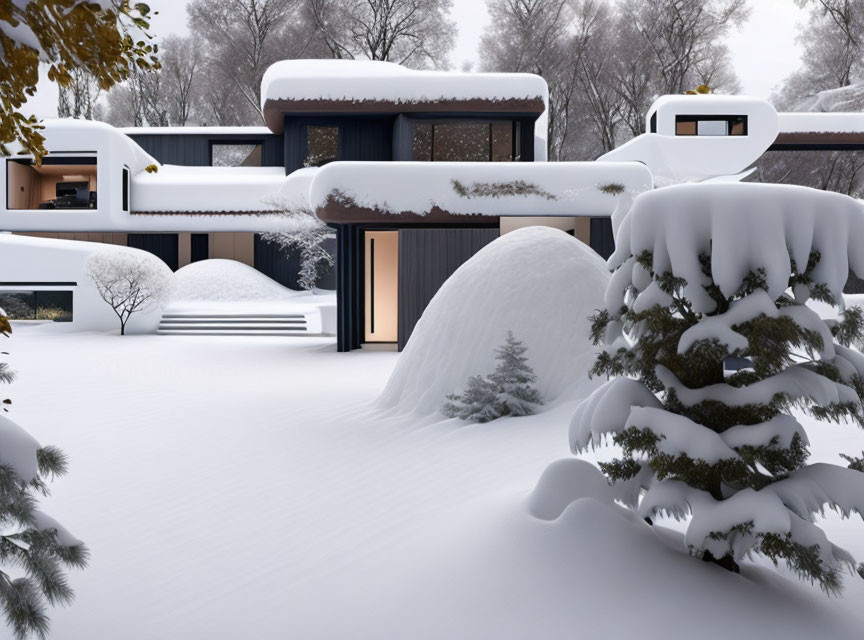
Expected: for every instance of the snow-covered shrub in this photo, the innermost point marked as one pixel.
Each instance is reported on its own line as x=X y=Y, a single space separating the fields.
x=507 y=391
x=34 y=548
x=129 y=281
x=704 y=277
x=307 y=237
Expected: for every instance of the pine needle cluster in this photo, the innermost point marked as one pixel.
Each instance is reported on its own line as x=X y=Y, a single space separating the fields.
x=34 y=549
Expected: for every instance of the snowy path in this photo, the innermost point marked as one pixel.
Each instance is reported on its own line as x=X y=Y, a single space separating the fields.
x=239 y=488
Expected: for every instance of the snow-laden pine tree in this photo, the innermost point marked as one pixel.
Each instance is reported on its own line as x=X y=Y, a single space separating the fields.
x=507 y=391
x=713 y=351
x=34 y=548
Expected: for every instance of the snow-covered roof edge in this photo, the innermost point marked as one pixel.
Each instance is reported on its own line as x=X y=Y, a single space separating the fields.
x=305 y=86
x=459 y=192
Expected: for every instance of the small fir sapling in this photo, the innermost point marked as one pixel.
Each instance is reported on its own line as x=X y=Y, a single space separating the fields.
x=130 y=282
x=507 y=391
x=34 y=548
x=700 y=438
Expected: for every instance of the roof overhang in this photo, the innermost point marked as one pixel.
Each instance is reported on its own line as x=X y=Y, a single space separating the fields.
x=275 y=110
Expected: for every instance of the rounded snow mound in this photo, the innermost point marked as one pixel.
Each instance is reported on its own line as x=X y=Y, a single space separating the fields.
x=219 y=280
x=563 y=483
x=541 y=283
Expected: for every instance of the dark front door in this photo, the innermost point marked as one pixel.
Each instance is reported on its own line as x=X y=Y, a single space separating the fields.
x=162 y=245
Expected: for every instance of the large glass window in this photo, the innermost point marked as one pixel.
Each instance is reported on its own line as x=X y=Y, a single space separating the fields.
x=228 y=154
x=37 y=305
x=322 y=145
x=467 y=141
x=710 y=125
x=58 y=183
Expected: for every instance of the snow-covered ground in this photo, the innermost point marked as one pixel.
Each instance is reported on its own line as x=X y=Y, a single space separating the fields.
x=243 y=488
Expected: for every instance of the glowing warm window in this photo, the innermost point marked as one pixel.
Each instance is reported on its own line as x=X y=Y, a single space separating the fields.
x=59 y=183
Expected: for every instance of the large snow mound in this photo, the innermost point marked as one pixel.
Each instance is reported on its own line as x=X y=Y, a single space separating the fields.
x=225 y=281
x=538 y=282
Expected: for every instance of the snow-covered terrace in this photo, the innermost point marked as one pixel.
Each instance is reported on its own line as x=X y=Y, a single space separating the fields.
x=334 y=86
x=458 y=192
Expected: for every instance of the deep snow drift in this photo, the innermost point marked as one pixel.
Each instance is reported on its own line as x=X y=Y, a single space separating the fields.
x=225 y=491
x=219 y=280
x=538 y=282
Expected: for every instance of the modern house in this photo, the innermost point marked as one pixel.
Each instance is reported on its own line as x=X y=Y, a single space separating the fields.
x=416 y=171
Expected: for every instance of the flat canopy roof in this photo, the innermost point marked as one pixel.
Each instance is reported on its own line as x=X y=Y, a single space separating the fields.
x=472 y=192
x=355 y=86
x=824 y=130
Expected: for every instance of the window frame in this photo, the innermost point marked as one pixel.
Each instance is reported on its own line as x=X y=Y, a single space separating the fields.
x=56 y=158
x=127 y=188
x=37 y=288
x=253 y=142
x=515 y=136
x=321 y=125
x=731 y=120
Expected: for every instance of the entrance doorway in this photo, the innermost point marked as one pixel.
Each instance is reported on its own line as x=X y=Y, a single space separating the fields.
x=381 y=250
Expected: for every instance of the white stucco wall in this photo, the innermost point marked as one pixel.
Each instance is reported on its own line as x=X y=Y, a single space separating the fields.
x=30 y=260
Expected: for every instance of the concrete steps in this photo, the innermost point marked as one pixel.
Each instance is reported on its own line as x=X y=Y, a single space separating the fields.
x=236 y=324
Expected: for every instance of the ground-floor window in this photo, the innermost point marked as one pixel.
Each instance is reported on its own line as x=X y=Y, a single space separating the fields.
x=61 y=182
x=37 y=305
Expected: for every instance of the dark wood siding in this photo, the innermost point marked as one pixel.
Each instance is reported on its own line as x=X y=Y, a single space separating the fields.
x=427 y=257
x=602 y=239
x=194 y=150
x=162 y=245
x=360 y=138
x=284 y=267
x=349 y=287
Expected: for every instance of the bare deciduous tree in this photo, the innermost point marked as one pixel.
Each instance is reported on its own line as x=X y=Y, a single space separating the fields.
x=416 y=33
x=181 y=71
x=244 y=37
x=532 y=36
x=683 y=36
x=78 y=99
x=129 y=281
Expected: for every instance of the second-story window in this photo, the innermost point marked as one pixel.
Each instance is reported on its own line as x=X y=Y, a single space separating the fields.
x=322 y=145
x=467 y=141
x=232 y=154
x=710 y=125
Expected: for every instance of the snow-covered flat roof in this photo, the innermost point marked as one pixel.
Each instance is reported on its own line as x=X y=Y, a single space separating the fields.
x=178 y=189
x=210 y=131
x=384 y=87
x=833 y=122
x=457 y=192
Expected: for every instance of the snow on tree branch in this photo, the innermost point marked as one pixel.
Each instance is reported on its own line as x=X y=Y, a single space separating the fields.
x=129 y=281
x=306 y=235
x=711 y=345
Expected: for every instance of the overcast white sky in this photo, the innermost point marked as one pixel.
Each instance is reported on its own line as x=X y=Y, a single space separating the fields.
x=764 y=51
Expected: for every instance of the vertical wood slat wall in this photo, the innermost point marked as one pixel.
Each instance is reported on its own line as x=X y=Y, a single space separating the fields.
x=427 y=257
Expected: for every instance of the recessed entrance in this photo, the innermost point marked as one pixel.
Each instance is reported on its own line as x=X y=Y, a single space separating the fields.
x=382 y=286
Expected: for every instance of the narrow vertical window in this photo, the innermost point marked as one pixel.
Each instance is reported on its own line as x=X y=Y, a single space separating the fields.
x=125 y=189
